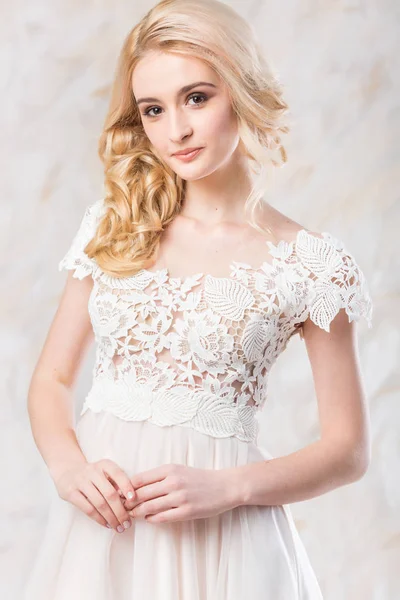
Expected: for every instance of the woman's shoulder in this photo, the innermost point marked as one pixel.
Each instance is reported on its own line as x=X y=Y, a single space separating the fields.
x=282 y=227
x=287 y=231
x=335 y=276
x=75 y=258
x=323 y=264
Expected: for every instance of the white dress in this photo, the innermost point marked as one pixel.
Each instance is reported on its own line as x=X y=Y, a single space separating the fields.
x=180 y=374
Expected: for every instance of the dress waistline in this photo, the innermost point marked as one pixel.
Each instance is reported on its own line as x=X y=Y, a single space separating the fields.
x=199 y=409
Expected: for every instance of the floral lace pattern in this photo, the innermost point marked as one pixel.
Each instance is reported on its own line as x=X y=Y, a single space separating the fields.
x=197 y=350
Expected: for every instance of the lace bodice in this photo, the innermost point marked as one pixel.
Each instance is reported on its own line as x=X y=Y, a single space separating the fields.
x=197 y=350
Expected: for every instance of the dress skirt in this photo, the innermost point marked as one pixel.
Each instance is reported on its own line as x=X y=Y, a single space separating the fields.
x=246 y=553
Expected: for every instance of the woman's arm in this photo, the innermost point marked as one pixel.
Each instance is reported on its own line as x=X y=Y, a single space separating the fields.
x=90 y=486
x=174 y=492
x=50 y=403
x=342 y=454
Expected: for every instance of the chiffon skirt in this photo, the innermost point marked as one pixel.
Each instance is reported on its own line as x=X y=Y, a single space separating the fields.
x=246 y=553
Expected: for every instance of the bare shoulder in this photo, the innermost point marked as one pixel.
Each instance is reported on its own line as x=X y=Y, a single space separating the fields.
x=284 y=227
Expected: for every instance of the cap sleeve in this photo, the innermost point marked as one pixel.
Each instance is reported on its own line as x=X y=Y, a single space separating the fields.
x=75 y=258
x=335 y=280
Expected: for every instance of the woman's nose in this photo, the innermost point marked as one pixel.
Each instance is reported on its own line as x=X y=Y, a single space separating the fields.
x=179 y=128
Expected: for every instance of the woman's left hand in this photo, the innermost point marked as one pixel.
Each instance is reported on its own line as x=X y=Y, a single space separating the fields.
x=175 y=492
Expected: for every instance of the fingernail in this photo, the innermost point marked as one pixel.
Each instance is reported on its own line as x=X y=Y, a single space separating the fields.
x=127 y=524
x=109 y=526
x=129 y=495
x=120 y=529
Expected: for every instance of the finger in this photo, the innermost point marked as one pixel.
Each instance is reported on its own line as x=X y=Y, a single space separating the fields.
x=148 y=492
x=129 y=504
x=84 y=505
x=151 y=476
x=90 y=490
x=119 y=479
x=169 y=516
x=120 y=492
x=110 y=506
x=155 y=505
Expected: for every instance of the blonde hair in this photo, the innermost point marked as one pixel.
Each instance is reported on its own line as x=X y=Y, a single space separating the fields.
x=142 y=193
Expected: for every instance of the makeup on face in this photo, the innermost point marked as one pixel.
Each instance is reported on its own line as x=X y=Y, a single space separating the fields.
x=188 y=156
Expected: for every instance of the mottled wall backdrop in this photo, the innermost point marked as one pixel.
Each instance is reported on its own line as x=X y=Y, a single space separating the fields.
x=339 y=62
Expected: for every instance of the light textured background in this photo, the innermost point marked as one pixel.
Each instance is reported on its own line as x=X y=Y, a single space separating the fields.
x=339 y=62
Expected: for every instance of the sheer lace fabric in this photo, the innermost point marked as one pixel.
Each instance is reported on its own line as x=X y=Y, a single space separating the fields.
x=197 y=350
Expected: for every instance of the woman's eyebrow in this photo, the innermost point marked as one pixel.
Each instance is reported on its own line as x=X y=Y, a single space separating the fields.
x=183 y=90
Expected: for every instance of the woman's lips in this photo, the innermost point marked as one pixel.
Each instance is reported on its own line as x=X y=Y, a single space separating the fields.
x=189 y=156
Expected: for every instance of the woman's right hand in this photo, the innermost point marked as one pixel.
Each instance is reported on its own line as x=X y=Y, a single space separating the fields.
x=93 y=488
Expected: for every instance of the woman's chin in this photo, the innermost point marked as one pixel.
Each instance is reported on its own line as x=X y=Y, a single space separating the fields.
x=191 y=172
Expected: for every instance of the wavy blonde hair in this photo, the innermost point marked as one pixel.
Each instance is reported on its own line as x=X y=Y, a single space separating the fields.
x=142 y=193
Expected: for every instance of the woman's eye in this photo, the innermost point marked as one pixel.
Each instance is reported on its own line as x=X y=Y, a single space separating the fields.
x=198 y=96
x=147 y=112
x=194 y=95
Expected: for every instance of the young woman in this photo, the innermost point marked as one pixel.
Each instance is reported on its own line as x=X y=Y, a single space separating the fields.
x=191 y=285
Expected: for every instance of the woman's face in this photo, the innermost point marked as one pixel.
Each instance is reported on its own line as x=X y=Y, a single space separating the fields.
x=176 y=119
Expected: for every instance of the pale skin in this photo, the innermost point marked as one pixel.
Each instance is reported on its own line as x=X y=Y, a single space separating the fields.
x=218 y=181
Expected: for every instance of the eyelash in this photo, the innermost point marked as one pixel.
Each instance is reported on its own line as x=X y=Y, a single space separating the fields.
x=194 y=94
